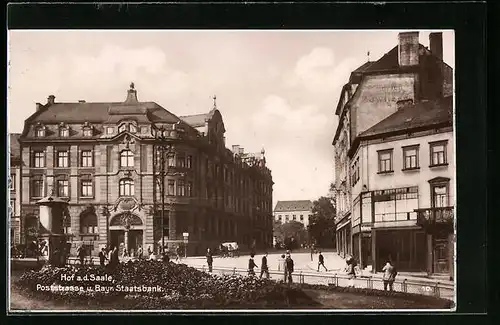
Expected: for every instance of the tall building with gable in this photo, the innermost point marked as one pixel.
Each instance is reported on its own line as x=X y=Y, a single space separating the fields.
x=394 y=159
x=104 y=158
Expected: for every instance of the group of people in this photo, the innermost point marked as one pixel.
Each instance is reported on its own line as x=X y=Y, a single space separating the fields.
x=285 y=265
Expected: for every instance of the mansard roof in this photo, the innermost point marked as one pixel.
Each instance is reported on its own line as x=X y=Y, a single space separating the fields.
x=103 y=112
x=421 y=114
x=298 y=205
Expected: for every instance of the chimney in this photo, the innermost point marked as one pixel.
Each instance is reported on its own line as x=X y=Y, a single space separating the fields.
x=408 y=49
x=51 y=100
x=436 y=44
x=38 y=106
x=131 y=95
x=236 y=148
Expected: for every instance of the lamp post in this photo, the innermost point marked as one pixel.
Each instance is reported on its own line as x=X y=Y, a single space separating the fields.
x=164 y=136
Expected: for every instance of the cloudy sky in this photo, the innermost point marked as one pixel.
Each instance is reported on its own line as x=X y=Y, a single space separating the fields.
x=275 y=89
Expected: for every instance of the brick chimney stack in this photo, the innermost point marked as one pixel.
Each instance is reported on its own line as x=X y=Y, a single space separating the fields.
x=436 y=44
x=51 y=100
x=408 y=49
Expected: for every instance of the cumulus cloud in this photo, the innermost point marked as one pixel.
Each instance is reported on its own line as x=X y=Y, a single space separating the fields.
x=277 y=112
x=319 y=72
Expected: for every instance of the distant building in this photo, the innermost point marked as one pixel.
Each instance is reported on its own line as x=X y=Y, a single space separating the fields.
x=300 y=211
x=395 y=173
x=15 y=188
x=105 y=160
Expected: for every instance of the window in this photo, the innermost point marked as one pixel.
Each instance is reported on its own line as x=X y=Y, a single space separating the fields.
x=438 y=153
x=64 y=132
x=171 y=187
x=385 y=161
x=286 y=218
x=37 y=187
x=126 y=187
x=133 y=128
x=86 y=187
x=279 y=218
x=189 y=161
x=39 y=159
x=294 y=218
x=122 y=128
x=144 y=129
x=13 y=207
x=410 y=156
x=181 y=161
x=180 y=188
x=12 y=181
x=301 y=218
x=86 y=158
x=87 y=132
x=126 y=158
x=440 y=195
x=40 y=132
x=171 y=160
x=189 y=189
x=62 y=158
x=62 y=187
x=88 y=223
x=355 y=171
x=110 y=130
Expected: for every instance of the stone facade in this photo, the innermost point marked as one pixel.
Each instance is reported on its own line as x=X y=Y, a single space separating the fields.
x=108 y=165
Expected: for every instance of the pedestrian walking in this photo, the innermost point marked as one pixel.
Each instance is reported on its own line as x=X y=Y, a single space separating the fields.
x=264 y=269
x=351 y=271
x=210 y=260
x=178 y=251
x=282 y=266
x=124 y=253
x=113 y=257
x=140 y=252
x=251 y=265
x=80 y=252
x=389 y=275
x=102 y=256
x=321 y=261
x=289 y=268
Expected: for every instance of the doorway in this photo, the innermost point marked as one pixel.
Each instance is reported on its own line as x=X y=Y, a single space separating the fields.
x=441 y=255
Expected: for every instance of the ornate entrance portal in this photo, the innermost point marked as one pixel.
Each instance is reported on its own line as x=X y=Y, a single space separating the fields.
x=127 y=229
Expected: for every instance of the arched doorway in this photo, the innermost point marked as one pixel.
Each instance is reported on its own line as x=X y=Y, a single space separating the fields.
x=127 y=229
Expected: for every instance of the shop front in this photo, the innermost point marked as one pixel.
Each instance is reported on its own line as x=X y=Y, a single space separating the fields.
x=437 y=223
x=362 y=245
x=344 y=236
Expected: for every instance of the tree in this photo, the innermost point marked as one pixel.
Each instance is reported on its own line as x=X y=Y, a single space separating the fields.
x=290 y=233
x=322 y=222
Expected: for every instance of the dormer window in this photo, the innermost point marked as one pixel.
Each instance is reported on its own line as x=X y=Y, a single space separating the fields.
x=133 y=129
x=123 y=128
x=40 y=132
x=88 y=132
x=63 y=131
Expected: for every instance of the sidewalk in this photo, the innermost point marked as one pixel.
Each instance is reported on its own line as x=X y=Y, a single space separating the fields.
x=336 y=264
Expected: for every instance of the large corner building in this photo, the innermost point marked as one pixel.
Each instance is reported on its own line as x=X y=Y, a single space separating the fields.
x=394 y=159
x=104 y=158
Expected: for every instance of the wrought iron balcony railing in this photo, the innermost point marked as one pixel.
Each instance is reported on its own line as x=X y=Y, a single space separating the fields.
x=435 y=216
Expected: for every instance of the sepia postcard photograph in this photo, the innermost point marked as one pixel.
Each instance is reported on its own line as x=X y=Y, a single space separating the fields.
x=231 y=170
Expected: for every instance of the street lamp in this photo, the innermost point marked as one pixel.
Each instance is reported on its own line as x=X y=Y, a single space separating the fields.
x=164 y=137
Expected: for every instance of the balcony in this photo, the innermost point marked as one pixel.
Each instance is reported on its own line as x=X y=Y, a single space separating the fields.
x=432 y=217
